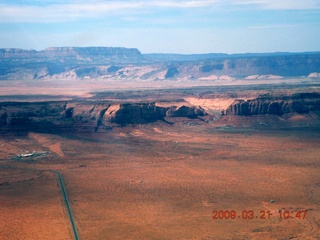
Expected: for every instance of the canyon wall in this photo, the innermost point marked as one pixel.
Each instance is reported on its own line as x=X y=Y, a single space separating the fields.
x=92 y=116
x=299 y=103
x=85 y=53
x=129 y=63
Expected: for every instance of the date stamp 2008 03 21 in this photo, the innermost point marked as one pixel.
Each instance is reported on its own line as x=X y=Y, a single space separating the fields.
x=250 y=214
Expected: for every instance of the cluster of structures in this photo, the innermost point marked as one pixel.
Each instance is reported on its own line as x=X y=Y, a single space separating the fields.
x=33 y=154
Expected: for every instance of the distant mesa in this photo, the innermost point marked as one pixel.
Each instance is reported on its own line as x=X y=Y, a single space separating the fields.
x=300 y=103
x=130 y=113
x=102 y=116
x=71 y=52
x=90 y=115
x=185 y=111
x=120 y=63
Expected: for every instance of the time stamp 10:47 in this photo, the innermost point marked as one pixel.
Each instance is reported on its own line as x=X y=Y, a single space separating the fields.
x=250 y=214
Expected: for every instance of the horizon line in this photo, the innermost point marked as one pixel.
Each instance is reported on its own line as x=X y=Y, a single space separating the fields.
x=173 y=53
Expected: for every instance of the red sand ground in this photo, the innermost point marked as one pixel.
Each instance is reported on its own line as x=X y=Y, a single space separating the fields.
x=31 y=206
x=159 y=181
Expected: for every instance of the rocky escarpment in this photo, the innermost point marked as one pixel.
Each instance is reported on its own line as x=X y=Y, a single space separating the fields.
x=299 y=103
x=101 y=116
x=85 y=53
x=128 y=113
x=134 y=113
x=104 y=114
x=186 y=111
x=63 y=62
x=79 y=116
x=281 y=65
x=19 y=118
x=128 y=63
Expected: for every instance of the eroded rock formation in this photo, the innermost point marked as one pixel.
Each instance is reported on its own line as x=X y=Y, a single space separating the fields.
x=88 y=115
x=300 y=103
x=129 y=63
x=95 y=116
x=133 y=113
x=71 y=52
x=185 y=111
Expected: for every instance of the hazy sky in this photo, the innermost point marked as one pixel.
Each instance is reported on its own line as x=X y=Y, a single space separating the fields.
x=170 y=26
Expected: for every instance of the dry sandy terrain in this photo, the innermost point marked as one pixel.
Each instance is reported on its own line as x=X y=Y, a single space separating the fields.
x=31 y=206
x=161 y=181
x=82 y=88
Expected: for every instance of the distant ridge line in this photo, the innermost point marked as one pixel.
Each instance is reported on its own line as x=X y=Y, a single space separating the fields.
x=52 y=52
x=101 y=50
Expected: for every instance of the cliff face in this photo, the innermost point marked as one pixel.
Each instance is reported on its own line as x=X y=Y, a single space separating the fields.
x=292 y=65
x=129 y=63
x=185 y=111
x=38 y=115
x=15 y=53
x=242 y=67
x=94 y=116
x=301 y=103
x=129 y=113
x=134 y=113
x=89 y=116
x=71 y=52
